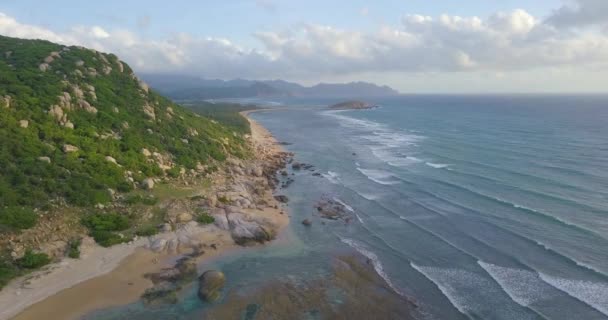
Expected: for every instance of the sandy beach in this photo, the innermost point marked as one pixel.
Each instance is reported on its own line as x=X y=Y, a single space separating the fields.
x=106 y=277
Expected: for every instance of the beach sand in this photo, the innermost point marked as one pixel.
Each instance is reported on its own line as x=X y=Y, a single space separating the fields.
x=106 y=277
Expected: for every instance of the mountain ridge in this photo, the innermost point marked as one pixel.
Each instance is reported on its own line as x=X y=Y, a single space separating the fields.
x=182 y=87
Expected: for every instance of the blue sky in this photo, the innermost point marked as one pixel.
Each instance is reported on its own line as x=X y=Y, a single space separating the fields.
x=449 y=45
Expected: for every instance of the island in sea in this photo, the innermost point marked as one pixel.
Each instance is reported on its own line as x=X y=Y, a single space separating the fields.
x=352 y=105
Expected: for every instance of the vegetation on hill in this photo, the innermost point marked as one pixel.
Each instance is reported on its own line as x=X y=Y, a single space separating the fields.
x=75 y=123
x=77 y=129
x=224 y=113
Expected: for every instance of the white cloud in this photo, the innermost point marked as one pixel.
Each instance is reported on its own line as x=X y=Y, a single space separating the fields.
x=502 y=43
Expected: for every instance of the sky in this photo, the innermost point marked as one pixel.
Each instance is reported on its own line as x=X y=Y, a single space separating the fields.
x=414 y=46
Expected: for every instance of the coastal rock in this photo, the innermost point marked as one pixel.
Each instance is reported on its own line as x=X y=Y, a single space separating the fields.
x=210 y=284
x=244 y=230
x=281 y=198
x=332 y=210
x=158 y=245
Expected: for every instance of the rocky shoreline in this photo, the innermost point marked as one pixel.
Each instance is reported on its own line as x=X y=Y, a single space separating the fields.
x=244 y=210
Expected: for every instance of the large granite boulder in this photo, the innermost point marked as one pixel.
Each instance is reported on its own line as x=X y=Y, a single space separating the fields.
x=209 y=285
x=245 y=230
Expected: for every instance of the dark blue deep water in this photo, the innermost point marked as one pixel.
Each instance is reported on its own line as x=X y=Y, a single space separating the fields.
x=478 y=207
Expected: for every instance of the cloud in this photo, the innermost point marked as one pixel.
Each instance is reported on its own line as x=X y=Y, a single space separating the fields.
x=582 y=13
x=501 y=43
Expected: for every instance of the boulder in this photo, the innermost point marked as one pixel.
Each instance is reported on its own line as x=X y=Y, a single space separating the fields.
x=5 y=101
x=144 y=86
x=257 y=171
x=24 y=123
x=307 y=222
x=149 y=111
x=146 y=152
x=209 y=285
x=148 y=184
x=43 y=67
x=56 y=112
x=110 y=159
x=184 y=217
x=87 y=106
x=158 y=245
x=68 y=148
x=44 y=159
x=281 y=198
x=244 y=231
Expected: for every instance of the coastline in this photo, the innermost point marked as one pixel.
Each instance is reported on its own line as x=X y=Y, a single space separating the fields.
x=116 y=275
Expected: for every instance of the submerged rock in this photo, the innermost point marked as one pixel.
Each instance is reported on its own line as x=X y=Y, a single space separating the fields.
x=281 y=198
x=209 y=285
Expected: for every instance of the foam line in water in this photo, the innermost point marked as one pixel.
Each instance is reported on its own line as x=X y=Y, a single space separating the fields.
x=379 y=176
x=594 y=294
x=333 y=177
x=437 y=165
x=473 y=294
x=523 y=286
x=375 y=261
x=349 y=208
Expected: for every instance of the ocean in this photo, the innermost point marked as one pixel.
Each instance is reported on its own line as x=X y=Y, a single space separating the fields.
x=474 y=207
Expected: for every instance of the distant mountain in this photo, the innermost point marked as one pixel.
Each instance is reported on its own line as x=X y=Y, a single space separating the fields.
x=193 y=88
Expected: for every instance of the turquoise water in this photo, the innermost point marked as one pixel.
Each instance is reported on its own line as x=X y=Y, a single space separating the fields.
x=478 y=207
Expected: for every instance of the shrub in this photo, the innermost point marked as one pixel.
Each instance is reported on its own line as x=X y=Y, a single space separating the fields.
x=74 y=248
x=106 y=222
x=205 y=218
x=33 y=260
x=8 y=271
x=108 y=238
x=147 y=231
x=102 y=228
x=17 y=218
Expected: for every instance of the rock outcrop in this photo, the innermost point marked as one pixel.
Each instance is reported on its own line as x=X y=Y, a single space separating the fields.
x=209 y=285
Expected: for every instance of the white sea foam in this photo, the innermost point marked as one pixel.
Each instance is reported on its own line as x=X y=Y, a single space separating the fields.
x=359 y=218
x=369 y=196
x=594 y=294
x=437 y=165
x=379 y=176
x=471 y=293
x=349 y=208
x=523 y=286
x=388 y=145
x=333 y=177
x=375 y=261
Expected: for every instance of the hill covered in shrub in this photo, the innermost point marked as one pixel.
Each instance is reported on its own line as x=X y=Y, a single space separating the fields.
x=77 y=125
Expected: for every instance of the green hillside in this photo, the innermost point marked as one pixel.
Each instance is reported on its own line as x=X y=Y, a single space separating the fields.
x=77 y=125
